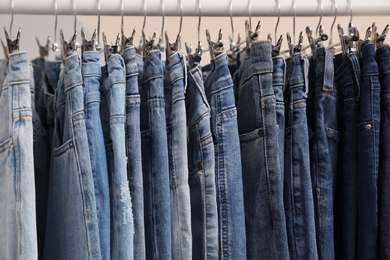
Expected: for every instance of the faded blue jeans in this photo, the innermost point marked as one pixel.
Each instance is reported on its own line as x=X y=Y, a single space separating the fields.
x=18 y=230
x=228 y=172
x=369 y=124
x=133 y=150
x=201 y=169
x=112 y=112
x=91 y=74
x=383 y=59
x=72 y=230
x=323 y=139
x=175 y=113
x=155 y=166
x=298 y=192
x=266 y=235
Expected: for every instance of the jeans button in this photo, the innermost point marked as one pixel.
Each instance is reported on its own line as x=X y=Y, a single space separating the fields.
x=368 y=126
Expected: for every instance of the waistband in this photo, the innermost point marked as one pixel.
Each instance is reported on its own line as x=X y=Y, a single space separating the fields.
x=279 y=70
x=219 y=77
x=18 y=69
x=152 y=66
x=383 y=58
x=325 y=65
x=116 y=72
x=91 y=65
x=52 y=71
x=130 y=58
x=369 y=65
x=176 y=69
x=300 y=73
x=72 y=73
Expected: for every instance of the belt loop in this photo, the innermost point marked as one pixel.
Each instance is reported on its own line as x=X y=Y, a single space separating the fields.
x=305 y=74
x=328 y=71
x=356 y=71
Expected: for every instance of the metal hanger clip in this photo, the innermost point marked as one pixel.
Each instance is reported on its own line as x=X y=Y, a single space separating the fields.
x=68 y=48
x=43 y=49
x=214 y=47
x=127 y=42
x=251 y=36
x=148 y=45
x=88 y=45
x=316 y=41
x=195 y=58
x=276 y=48
x=110 y=49
x=294 y=48
x=171 y=47
x=12 y=45
x=347 y=41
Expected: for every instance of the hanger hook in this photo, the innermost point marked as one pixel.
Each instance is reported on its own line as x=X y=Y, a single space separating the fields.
x=162 y=23
x=231 y=19
x=122 y=8
x=319 y=22
x=350 y=10
x=74 y=12
x=12 y=18
x=199 y=21
x=277 y=23
x=250 y=13
x=334 y=21
x=181 y=22
x=294 y=22
x=143 y=25
x=98 y=25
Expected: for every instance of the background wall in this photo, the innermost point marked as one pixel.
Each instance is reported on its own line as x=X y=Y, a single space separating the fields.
x=43 y=26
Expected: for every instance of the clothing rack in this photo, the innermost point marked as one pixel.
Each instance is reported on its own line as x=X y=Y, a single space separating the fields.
x=190 y=7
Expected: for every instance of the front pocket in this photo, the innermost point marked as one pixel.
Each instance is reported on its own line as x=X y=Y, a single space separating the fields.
x=7 y=144
x=251 y=136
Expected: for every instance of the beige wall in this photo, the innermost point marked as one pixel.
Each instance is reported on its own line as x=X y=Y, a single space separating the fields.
x=111 y=25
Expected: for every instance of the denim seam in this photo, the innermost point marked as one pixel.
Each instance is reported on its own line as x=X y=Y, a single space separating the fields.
x=253 y=73
x=204 y=203
x=317 y=168
x=266 y=151
x=154 y=76
x=226 y=86
x=6 y=145
x=199 y=119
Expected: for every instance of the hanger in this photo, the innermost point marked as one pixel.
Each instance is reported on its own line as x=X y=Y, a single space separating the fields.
x=234 y=46
x=330 y=46
x=43 y=49
x=68 y=48
x=294 y=48
x=278 y=43
x=98 y=46
x=195 y=58
x=367 y=39
x=173 y=47
x=160 y=43
x=87 y=45
x=110 y=49
x=12 y=45
x=126 y=42
x=380 y=39
x=251 y=36
x=214 y=47
x=76 y=43
x=5 y=50
x=316 y=41
x=140 y=48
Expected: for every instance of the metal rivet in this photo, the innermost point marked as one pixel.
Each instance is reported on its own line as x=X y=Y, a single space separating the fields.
x=11 y=143
x=368 y=126
x=71 y=144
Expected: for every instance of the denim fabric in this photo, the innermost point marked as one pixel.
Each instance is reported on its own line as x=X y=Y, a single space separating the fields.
x=91 y=73
x=175 y=113
x=278 y=81
x=112 y=111
x=323 y=140
x=18 y=238
x=41 y=154
x=133 y=150
x=3 y=72
x=155 y=166
x=72 y=230
x=383 y=59
x=369 y=124
x=348 y=85
x=228 y=173
x=140 y=65
x=298 y=195
x=266 y=234
x=201 y=169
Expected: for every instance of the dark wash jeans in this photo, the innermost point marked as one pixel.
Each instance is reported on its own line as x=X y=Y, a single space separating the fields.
x=201 y=169
x=369 y=124
x=72 y=230
x=383 y=60
x=91 y=73
x=133 y=150
x=298 y=195
x=324 y=137
x=347 y=76
x=155 y=165
x=228 y=172
x=266 y=235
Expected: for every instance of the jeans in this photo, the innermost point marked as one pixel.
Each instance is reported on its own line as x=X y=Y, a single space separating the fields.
x=228 y=172
x=347 y=77
x=201 y=169
x=91 y=74
x=369 y=124
x=155 y=166
x=266 y=235
x=133 y=150
x=72 y=230
x=323 y=139
x=278 y=81
x=3 y=71
x=298 y=195
x=383 y=57
x=112 y=111
x=18 y=219
x=175 y=113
